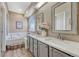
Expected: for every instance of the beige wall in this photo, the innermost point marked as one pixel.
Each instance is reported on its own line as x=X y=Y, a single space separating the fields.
x=46 y=9
x=12 y=22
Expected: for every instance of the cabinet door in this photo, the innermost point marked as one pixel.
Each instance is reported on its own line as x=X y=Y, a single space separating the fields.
x=28 y=42
x=31 y=45
x=35 y=48
x=50 y=51
x=42 y=50
x=57 y=53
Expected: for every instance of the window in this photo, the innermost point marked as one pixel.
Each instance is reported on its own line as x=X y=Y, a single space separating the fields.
x=32 y=23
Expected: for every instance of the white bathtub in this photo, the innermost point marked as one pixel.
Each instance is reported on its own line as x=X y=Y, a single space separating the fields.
x=16 y=38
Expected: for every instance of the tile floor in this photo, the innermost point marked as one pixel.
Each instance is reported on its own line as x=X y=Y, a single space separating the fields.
x=21 y=52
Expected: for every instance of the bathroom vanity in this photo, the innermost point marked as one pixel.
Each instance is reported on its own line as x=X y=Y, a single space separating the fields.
x=51 y=47
x=64 y=20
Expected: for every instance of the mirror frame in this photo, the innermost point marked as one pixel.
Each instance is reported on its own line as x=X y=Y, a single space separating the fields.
x=64 y=16
x=73 y=26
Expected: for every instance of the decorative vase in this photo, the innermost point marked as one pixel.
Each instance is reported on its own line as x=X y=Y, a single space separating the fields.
x=43 y=33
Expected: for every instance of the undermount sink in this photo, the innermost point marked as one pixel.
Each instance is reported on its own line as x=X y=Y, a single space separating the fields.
x=54 y=40
x=48 y=39
x=38 y=36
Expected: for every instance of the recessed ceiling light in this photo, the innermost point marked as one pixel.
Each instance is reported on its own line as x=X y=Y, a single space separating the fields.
x=20 y=9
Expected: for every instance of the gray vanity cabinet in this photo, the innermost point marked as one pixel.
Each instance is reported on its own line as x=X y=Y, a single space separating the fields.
x=35 y=48
x=42 y=50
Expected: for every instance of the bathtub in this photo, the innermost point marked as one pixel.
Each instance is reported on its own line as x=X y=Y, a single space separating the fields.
x=16 y=38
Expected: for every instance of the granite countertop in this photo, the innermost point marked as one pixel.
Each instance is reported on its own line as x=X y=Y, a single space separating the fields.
x=69 y=47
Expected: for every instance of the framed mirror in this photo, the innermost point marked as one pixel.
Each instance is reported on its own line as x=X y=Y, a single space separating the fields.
x=64 y=18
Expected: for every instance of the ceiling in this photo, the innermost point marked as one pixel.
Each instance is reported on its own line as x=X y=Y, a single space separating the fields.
x=24 y=7
x=19 y=7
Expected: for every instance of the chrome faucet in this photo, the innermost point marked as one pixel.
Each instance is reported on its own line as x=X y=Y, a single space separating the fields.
x=59 y=36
